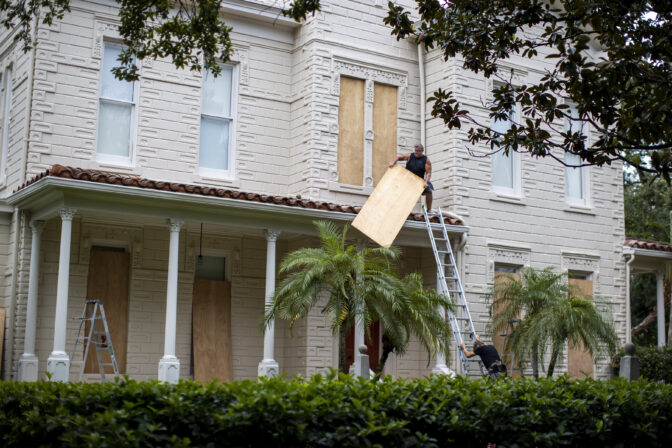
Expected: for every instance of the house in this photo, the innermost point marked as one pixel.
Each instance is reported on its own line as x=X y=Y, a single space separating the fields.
x=173 y=197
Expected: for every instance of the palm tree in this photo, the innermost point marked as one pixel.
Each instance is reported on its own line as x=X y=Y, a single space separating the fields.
x=361 y=285
x=554 y=316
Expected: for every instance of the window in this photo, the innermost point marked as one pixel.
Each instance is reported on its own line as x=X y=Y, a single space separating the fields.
x=577 y=180
x=367 y=131
x=215 y=154
x=116 y=112
x=505 y=168
x=6 y=115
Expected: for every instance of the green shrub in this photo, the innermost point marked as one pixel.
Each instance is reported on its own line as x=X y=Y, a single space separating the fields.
x=338 y=411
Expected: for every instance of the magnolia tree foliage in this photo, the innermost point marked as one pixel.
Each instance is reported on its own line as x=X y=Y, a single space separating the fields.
x=610 y=60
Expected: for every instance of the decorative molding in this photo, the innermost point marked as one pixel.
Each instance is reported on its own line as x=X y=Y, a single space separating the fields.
x=272 y=235
x=368 y=91
x=240 y=55
x=37 y=226
x=129 y=238
x=101 y=29
x=175 y=224
x=501 y=254
x=582 y=263
x=375 y=74
x=67 y=213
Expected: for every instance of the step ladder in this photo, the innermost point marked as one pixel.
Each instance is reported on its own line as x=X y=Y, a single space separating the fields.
x=94 y=313
x=451 y=287
x=510 y=358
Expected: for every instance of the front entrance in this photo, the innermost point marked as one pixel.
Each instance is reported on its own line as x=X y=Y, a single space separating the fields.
x=211 y=321
x=108 y=281
x=372 y=343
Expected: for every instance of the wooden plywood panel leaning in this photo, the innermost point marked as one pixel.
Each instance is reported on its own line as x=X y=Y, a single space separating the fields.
x=388 y=207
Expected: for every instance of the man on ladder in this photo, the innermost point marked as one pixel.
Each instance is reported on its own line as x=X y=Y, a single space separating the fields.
x=489 y=356
x=419 y=164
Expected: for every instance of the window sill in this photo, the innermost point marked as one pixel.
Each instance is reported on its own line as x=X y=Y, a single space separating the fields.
x=353 y=189
x=582 y=209
x=225 y=178
x=509 y=199
x=115 y=164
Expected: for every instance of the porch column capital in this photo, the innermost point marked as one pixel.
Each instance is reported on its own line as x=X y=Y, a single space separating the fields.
x=175 y=224
x=272 y=235
x=37 y=226
x=67 y=213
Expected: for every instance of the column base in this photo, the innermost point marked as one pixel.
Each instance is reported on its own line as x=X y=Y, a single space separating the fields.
x=169 y=369
x=27 y=368
x=58 y=367
x=442 y=369
x=269 y=368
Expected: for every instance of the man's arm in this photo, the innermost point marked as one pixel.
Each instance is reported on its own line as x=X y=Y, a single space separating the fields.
x=428 y=171
x=467 y=353
x=398 y=158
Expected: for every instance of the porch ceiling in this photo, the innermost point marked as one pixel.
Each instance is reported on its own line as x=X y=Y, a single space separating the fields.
x=117 y=193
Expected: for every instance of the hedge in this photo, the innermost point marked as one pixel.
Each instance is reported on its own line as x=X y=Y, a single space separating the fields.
x=338 y=411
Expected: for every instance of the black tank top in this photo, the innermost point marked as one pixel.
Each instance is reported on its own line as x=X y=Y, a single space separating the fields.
x=417 y=166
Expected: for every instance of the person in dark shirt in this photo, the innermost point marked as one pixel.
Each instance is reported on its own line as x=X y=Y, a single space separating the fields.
x=419 y=164
x=489 y=356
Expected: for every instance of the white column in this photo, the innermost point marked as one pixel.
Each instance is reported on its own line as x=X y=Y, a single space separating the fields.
x=268 y=365
x=441 y=368
x=58 y=363
x=660 y=307
x=169 y=365
x=359 y=328
x=28 y=361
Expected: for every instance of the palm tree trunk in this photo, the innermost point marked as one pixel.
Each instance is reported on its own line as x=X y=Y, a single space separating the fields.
x=535 y=367
x=388 y=347
x=551 y=364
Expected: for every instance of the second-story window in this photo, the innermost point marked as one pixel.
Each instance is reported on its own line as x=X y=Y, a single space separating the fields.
x=215 y=155
x=6 y=115
x=505 y=168
x=577 y=179
x=116 y=111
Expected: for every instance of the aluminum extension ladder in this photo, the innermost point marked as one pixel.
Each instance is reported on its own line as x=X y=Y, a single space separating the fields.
x=451 y=286
x=101 y=340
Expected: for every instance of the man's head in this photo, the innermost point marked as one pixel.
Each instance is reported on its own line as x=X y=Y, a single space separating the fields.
x=418 y=150
x=477 y=343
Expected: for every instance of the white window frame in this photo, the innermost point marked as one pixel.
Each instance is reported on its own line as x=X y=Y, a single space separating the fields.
x=108 y=159
x=214 y=173
x=585 y=172
x=516 y=190
x=7 y=87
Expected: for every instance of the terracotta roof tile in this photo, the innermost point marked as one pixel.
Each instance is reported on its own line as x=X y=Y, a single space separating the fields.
x=130 y=180
x=648 y=244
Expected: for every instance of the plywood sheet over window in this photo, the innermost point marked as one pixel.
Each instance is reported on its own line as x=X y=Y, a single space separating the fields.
x=108 y=281
x=384 y=129
x=579 y=362
x=351 y=132
x=499 y=338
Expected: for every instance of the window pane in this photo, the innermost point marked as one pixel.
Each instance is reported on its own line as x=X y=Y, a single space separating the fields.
x=502 y=170
x=573 y=177
x=214 y=147
x=113 y=88
x=217 y=93
x=114 y=128
x=502 y=165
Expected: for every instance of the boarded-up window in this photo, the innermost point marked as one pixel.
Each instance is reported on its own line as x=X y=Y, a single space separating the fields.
x=384 y=129
x=504 y=273
x=579 y=362
x=351 y=132
x=108 y=281
x=356 y=117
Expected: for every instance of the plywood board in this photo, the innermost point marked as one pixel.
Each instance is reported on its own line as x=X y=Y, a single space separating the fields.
x=384 y=129
x=579 y=362
x=108 y=280
x=3 y=314
x=498 y=339
x=211 y=326
x=388 y=207
x=351 y=131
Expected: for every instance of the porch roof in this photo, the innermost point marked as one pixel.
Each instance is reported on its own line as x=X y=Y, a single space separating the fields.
x=62 y=186
x=650 y=256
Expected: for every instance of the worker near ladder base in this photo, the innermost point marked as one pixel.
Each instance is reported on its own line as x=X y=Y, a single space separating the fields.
x=489 y=356
x=419 y=164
